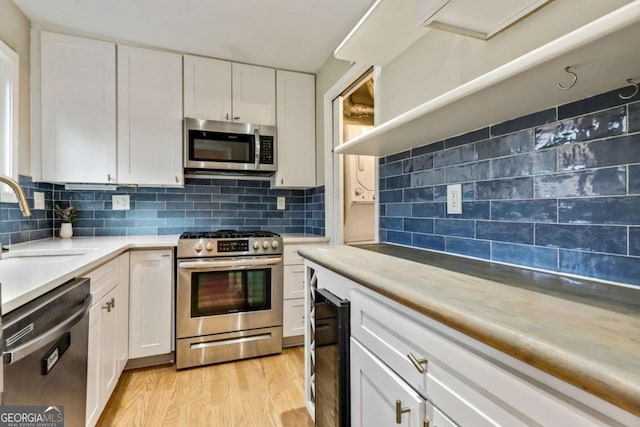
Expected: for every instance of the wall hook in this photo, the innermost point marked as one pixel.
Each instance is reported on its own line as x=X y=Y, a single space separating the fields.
x=573 y=83
x=635 y=90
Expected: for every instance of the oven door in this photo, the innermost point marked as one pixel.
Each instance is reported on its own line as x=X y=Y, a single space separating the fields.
x=226 y=295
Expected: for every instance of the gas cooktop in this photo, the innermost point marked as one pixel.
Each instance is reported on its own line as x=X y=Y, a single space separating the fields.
x=226 y=234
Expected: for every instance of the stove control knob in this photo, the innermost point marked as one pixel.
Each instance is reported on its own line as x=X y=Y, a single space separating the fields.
x=274 y=244
x=209 y=246
x=265 y=244
x=198 y=247
x=256 y=245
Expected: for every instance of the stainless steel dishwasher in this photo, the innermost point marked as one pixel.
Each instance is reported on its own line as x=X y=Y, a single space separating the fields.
x=45 y=351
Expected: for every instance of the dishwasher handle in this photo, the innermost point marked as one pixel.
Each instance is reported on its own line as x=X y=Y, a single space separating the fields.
x=24 y=350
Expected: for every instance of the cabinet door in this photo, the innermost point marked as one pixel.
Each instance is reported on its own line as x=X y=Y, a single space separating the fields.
x=149 y=117
x=78 y=107
x=207 y=88
x=150 y=319
x=293 y=317
x=296 y=130
x=293 y=278
x=375 y=389
x=254 y=94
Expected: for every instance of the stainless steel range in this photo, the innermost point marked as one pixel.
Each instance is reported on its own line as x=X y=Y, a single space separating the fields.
x=229 y=296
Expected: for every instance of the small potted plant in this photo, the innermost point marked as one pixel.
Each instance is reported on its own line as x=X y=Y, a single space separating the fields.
x=67 y=216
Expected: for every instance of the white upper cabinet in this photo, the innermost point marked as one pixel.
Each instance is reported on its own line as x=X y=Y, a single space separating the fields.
x=296 y=130
x=149 y=117
x=226 y=91
x=78 y=107
x=207 y=88
x=254 y=94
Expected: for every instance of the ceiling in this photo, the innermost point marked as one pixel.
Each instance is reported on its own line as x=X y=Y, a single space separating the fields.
x=296 y=35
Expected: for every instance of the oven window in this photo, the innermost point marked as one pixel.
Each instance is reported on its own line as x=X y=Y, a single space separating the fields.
x=223 y=292
x=221 y=147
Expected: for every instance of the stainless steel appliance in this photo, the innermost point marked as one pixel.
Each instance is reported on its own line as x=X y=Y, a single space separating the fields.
x=228 y=296
x=45 y=351
x=332 y=385
x=232 y=147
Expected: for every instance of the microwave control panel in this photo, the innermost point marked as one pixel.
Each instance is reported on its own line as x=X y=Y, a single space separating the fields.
x=266 y=150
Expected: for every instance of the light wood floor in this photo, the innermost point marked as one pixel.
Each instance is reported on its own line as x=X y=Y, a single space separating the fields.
x=261 y=392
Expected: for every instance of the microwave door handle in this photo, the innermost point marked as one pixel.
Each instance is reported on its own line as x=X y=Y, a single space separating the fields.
x=256 y=134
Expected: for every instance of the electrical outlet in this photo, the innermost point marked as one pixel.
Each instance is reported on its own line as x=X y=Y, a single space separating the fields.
x=120 y=203
x=281 y=202
x=38 y=200
x=454 y=199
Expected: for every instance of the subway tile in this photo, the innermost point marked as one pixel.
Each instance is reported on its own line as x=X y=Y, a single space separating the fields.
x=454 y=227
x=603 y=124
x=419 y=163
x=514 y=188
x=419 y=225
x=473 y=136
x=107 y=232
x=428 y=241
x=593 y=238
x=473 y=210
x=468 y=172
x=511 y=232
x=609 y=152
x=389 y=223
x=608 y=267
x=147 y=223
x=508 y=145
x=524 y=164
x=428 y=210
x=453 y=156
x=468 y=247
x=634 y=117
x=137 y=213
x=429 y=148
x=398 y=156
x=391 y=196
x=524 y=210
x=400 y=181
x=427 y=178
x=170 y=197
x=390 y=169
x=599 y=182
x=634 y=241
x=600 y=210
x=595 y=103
x=419 y=194
x=399 y=209
x=524 y=122
x=528 y=256
x=171 y=214
x=179 y=205
x=399 y=237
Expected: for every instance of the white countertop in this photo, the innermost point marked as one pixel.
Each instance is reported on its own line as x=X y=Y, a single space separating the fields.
x=25 y=278
x=292 y=238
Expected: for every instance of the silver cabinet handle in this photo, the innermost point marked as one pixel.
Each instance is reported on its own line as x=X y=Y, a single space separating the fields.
x=399 y=411
x=236 y=118
x=177 y=180
x=417 y=362
x=226 y=117
x=109 y=177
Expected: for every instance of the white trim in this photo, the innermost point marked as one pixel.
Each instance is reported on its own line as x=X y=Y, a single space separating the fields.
x=10 y=57
x=332 y=174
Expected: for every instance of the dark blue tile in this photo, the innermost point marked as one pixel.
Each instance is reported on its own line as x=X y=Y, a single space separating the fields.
x=454 y=227
x=593 y=238
x=524 y=164
x=512 y=232
x=525 y=210
x=399 y=237
x=390 y=169
x=388 y=223
x=595 y=103
x=419 y=163
x=473 y=136
x=399 y=209
x=596 y=154
x=398 y=156
x=400 y=181
x=529 y=256
x=603 y=124
x=428 y=241
x=599 y=182
x=427 y=178
x=600 y=210
x=428 y=210
x=391 y=196
x=634 y=117
x=634 y=241
x=420 y=194
x=90 y=223
x=515 y=188
x=469 y=172
x=453 y=156
x=429 y=148
x=508 y=145
x=524 y=122
x=147 y=223
x=608 y=267
x=418 y=225
x=109 y=232
x=473 y=210
x=171 y=197
x=468 y=247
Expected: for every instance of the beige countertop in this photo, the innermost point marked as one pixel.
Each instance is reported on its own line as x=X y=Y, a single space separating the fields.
x=293 y=238
x=586 y=333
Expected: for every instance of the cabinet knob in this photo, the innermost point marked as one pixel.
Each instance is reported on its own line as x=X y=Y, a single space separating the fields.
x=226 y=116
x=236 y=118
x=281 y=180
x=177 y=180
x=109 y=177
x=399 y=411
x=417 y=363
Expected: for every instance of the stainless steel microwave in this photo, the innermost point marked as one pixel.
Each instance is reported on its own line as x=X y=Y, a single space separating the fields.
x=217 y=146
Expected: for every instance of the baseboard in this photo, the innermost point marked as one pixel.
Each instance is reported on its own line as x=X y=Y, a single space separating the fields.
x=145 y=362
x=293 y=341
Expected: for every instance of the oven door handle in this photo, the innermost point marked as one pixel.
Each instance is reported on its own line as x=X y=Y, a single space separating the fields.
x=228 y=264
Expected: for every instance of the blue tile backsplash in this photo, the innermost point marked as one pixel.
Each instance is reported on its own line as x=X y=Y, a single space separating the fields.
x=557 y=190
x=203 y=204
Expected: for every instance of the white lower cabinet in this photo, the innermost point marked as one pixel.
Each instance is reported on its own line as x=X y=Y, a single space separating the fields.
x=108 y=332
x=151 y=310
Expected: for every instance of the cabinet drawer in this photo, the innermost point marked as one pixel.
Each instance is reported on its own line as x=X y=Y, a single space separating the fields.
x=290 y=255
x=293 y=282
x=103 y=279
x=293 y=317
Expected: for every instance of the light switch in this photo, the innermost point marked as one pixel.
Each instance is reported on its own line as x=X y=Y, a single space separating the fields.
x=120 y=203
x=38 y=200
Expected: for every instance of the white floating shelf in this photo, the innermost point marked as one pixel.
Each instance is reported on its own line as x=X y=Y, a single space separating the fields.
x=603 y=53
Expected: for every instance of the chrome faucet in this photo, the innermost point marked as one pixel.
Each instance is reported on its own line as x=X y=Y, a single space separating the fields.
x=22 y=200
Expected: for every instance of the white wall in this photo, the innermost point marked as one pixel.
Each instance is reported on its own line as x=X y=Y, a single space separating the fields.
x=14 y=32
